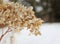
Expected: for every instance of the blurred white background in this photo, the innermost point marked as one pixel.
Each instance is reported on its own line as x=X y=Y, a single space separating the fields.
x=50 y=35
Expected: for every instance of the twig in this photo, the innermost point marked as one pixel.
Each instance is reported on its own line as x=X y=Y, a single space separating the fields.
x=9 y=30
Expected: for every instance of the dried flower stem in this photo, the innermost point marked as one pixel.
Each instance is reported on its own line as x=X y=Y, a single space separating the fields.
x=9 y=30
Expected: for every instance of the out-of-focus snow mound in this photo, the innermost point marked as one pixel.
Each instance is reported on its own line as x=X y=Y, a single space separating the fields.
x=50 y=35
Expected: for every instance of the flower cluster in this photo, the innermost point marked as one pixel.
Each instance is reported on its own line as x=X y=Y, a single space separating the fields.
x=18 y=16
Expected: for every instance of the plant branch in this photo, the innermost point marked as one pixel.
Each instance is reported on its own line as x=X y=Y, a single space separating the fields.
x=9 y=30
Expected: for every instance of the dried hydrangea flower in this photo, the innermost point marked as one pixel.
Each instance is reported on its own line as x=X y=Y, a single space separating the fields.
x=18 y=16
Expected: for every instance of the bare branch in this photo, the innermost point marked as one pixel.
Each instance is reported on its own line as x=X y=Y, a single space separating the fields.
x=9 y=30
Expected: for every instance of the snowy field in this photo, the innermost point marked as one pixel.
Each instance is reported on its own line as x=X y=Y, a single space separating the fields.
x=50 y=35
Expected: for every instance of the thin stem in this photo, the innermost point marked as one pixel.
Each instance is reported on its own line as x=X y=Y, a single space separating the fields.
x=9 y=30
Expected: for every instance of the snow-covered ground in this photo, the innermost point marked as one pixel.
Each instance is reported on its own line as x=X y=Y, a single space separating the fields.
x=50 y=35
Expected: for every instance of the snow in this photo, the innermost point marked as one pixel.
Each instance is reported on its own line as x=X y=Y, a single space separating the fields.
x=50 y=34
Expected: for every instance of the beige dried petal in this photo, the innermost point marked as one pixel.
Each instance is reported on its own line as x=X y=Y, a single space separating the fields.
x=18 y=16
